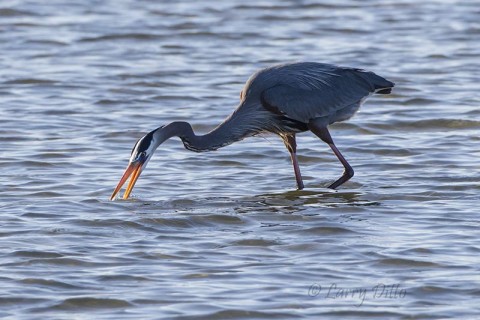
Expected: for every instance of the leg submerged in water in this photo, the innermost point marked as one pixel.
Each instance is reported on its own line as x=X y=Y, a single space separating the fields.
x=291 y=145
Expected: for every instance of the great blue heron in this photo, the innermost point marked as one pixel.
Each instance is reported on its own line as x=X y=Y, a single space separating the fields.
x=282 y=99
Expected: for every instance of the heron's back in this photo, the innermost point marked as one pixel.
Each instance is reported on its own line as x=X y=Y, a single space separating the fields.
x=308 y=91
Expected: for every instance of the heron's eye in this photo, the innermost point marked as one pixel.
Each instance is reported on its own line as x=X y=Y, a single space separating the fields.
x=141 y=156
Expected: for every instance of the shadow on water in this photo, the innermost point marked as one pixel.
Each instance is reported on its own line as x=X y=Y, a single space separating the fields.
x=292 y=201
x=318 y=197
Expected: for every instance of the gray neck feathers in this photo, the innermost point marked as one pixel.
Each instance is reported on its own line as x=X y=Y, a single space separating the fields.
x=231 y=130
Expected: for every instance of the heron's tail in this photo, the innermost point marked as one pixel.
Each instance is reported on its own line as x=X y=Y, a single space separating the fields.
x=380 y=84
x=384 y=91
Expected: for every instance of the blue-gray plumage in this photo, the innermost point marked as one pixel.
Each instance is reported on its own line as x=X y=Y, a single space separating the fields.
x=283 y=99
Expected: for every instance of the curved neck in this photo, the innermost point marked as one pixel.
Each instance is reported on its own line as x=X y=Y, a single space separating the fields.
x=226 y=133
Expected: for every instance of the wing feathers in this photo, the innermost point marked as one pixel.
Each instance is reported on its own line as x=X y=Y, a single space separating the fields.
x=320 y=90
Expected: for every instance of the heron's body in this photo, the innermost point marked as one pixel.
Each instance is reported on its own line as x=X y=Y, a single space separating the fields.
x=285 y=100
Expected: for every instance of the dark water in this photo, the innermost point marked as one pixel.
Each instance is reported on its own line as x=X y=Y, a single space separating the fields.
x=223 y=235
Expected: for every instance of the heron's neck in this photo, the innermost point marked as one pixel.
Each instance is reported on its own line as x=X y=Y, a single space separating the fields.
x=228 y=132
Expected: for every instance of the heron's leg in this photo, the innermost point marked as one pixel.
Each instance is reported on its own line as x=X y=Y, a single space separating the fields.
x=322 y=133
x=291 y=145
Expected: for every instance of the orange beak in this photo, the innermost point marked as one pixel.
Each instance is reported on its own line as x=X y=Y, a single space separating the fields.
x=134 y=169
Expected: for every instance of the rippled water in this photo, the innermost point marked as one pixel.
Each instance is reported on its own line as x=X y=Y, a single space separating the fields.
x=224 y=235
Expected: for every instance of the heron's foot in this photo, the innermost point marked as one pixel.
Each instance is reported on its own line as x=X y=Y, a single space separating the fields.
x=347 y=175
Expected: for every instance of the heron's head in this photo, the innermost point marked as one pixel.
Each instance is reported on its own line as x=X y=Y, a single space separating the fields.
x=141 y=153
